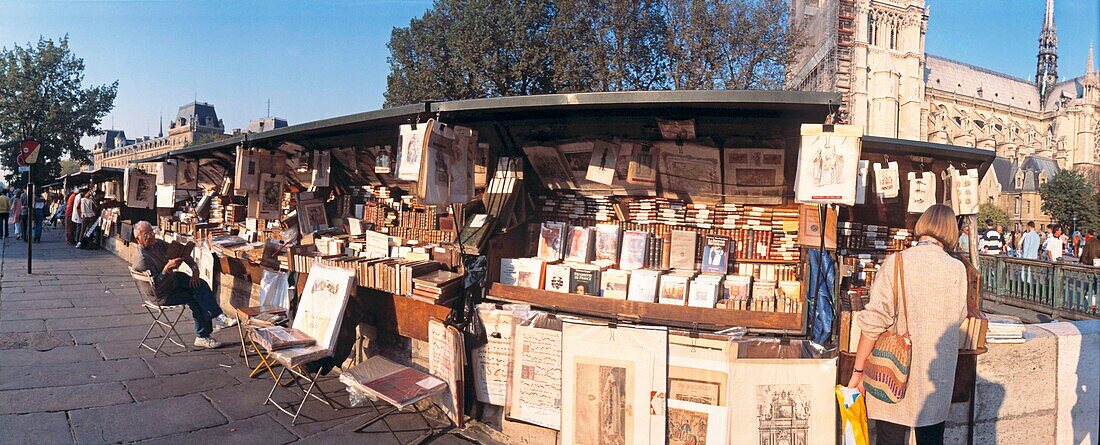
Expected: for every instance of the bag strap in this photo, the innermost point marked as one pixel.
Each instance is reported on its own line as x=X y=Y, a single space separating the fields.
x=899 y=293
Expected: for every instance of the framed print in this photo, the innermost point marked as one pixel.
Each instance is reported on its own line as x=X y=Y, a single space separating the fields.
x=690 y=170
x=270 y=197
x=311 y=216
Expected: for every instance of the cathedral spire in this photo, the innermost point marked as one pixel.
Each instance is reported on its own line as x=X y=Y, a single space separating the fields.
x=1088 y=65
x=1046 y=70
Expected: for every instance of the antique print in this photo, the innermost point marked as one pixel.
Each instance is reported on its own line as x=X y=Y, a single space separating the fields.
x=695 y=424
x=755 y=174
x=492 y=362
x=861 y=181
x=311 y=216
x=966 y=191
x=697 y=374
x=187 y=175
x=779 y=400
x=601 y=165
x=677 y=130
x=828 y=164
x=922 y=191
x=322 y=305
x=604 y=414
x=140 y=192
x=535 y=391
x=643 y=166
x=410 y=148
x=322 y=165
x=691 y=169
x=445 y=358
x=887 y=180
x=578 y=156
x=613 y=384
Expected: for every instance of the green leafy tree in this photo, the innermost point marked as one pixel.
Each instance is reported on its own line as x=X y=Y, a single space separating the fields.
x=1069 y=198
x=69 y=165
x=42 y=97
x=989 y=211
x=465 y=49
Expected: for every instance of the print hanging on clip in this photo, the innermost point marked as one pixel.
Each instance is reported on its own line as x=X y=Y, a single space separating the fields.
x=922 y=191
x=861 y=181
x=410 y=151
x=886 y=180
x=828 y=164
x=966 y=191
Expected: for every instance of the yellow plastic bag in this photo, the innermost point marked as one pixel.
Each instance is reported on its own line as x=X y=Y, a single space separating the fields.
x=853 y=412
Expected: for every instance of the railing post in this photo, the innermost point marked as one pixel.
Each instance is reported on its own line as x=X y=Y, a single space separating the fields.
x=999 y=277
x=1057 y=299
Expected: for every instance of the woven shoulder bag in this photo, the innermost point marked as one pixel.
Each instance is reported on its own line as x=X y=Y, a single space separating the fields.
x=886 y=372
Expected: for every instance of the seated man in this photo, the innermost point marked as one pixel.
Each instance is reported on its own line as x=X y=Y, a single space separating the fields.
x=174 y=287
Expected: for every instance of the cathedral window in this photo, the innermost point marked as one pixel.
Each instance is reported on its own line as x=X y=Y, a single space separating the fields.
x=872 y=30
x=893 y=36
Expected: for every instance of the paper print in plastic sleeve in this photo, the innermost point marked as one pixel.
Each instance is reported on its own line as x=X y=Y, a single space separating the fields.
x=828 y=164
x=410 y=150
x=861 y=181
x=886 y=180
x=922 y=191
x=966 y=191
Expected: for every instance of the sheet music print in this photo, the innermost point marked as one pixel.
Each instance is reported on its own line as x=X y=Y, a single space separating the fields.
x=492 y=362
x=537 y=374
x=442 y=363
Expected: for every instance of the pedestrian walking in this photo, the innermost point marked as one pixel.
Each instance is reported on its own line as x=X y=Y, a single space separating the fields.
x=934 y=285
x=16 y=212
x=964 y=240
x=1054 y=246
x=1090 y=253
x=71 y=216
x=991 y=241
x=5 y=213
x=39 y=216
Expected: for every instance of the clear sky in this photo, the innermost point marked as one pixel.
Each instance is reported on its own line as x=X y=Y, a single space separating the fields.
x=321 y=59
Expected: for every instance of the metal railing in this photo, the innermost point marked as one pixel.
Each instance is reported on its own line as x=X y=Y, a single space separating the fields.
x=1060 y=289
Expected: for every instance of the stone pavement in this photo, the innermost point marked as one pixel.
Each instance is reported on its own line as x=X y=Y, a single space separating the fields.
x=71 y=370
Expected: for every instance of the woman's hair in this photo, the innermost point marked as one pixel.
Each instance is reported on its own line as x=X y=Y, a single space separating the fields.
x=939 y=222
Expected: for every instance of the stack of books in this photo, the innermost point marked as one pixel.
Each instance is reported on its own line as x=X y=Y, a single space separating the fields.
x=1004 y=329
x=973 y=332
x=274 y=338
x=437 y=287
x=784 y=245
x=394 y=275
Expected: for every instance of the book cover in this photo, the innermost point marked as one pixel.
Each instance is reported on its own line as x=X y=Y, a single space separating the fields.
x=633 y=250
x=704 y=291
x=529 y=272
x=509 y=274
x=682 y=254
x=616 y=284
x=557 y=277
x=644 y=285
x=607 y=244
x=580 y=244
x=716 y=254
x=674 y=289
x=584 y=281
x=551 y=241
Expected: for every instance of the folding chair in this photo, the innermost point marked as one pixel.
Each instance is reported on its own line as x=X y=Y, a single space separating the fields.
x=161 y=314
x=273 y=300
x=319 y=315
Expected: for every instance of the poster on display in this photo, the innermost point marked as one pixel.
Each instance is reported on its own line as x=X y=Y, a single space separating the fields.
x=492 y=362
x=534 y=394
x=410 y=150
x=602 y=165
x=462 y=167
x=922 y=191
x=828 y=164
x=965 y=184
x=187 y=174
x=776 y=400
x=755 y=175
x=434 y=181
x=166 y=172
x=140 y=189
x=247 y=175
x=549 y=165
x=445 y=361
x=690 y=169
x=613 y=384
x=887 y=180
x=321 y=308
x=267 y=203
x=166 y=196
x=321 y=169
x=579 y=156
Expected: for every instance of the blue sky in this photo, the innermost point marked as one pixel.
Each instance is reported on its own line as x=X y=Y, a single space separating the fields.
x=314 y=60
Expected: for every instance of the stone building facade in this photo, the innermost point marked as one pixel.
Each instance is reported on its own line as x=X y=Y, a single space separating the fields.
x=872 y=52
x=196 y=121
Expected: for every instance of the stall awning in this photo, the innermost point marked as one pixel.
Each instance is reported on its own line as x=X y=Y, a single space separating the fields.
x=96 y=175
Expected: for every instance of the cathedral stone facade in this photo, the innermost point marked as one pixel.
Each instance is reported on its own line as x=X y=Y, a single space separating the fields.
x=872 y=52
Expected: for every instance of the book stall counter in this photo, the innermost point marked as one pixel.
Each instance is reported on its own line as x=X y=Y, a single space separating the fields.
x=686 y=317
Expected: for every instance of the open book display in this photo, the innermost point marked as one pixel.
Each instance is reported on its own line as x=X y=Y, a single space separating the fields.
x=274 y=338
x=398 y=385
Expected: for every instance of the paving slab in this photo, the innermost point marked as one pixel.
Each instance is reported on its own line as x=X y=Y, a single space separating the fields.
x=35 y=304
x=54 y=356
x=38 y=341
x=78 y=323
x=244 y=400
x=180 y=384
x=51 y=314
x=70 y=374
x=113 y=333
x=36 y=428
x=183 y=363
x=22 y=326
x=63 y=398
x=257 y=430
x=144 y=420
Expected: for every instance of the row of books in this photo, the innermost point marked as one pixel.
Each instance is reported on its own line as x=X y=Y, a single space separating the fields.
x=681 y=287
x=974 y=332
x=569 y=206
x=607 y=245
x=856 y=236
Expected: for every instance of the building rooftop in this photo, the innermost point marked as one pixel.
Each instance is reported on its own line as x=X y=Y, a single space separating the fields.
x=962 y=78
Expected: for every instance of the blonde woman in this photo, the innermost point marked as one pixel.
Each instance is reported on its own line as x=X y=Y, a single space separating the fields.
x=935 y=287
